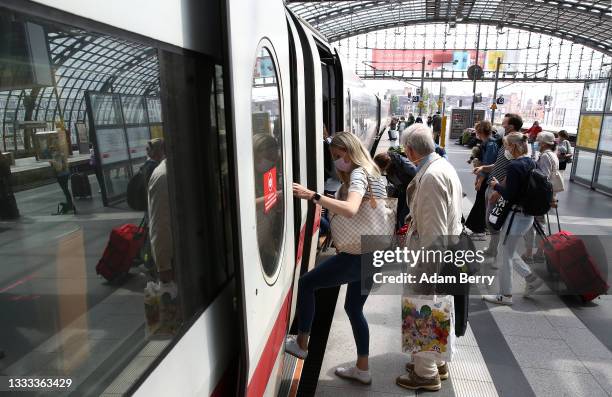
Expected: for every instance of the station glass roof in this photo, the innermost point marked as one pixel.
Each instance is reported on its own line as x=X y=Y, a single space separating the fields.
x=585 y=22
x=81 y=61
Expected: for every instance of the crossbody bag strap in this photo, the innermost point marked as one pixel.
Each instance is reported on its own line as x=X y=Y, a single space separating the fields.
x=514 y=211
x=372 y=199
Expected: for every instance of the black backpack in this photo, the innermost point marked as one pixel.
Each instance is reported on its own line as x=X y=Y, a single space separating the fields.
x=538 y=193
x=137 y=187
x=137 y=192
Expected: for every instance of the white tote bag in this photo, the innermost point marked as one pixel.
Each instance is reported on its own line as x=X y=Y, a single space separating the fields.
x=428 y=325
x=556 y=181
x=375 y=217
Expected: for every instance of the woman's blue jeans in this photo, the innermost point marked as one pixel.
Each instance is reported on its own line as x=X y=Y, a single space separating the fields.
x=509 y=257
x=337 y=270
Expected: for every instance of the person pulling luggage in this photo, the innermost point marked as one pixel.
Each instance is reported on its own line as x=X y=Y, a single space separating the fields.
x=517 y=222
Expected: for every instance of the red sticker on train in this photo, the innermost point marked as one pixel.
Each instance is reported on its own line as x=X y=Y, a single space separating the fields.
x=270 y=196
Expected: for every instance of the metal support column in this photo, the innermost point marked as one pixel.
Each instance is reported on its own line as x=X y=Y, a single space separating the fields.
x=495 y=90
x=474 y=86
x=440 y=94
x=422 y=87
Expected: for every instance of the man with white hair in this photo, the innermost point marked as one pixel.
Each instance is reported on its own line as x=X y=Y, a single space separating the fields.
x=434 y=197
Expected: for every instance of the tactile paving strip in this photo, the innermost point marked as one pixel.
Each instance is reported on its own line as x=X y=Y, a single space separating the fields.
x=469 y=374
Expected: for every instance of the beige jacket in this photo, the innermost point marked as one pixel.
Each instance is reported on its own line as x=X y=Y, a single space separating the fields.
x=434 y=197
x=159 y=218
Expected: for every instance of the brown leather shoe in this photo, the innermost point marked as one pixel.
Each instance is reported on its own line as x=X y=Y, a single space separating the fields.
x=442 y=370
x=412 y=381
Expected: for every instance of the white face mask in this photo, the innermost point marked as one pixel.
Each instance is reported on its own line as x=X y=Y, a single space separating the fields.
x=342 y=165
x=508 y=154
x=415 y=161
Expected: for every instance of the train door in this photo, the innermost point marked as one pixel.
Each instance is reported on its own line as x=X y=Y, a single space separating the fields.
x=300 y=164
x=331 y=79
x=313 y=138
x=259 y=71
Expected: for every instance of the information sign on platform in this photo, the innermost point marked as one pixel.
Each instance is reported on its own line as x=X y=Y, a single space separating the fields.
x=138 y=137
x=111 y=145
x=588 y=131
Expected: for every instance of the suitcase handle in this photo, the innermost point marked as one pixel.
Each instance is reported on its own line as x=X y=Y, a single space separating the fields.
x=554 y=205
x=540 y=231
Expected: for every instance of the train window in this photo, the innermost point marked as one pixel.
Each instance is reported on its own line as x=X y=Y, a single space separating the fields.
x=103 y=286
x=268 y=162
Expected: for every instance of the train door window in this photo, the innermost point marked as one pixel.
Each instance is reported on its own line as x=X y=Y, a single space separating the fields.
x=267 y=126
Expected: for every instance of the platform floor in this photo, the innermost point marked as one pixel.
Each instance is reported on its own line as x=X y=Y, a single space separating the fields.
x=544 y=346
x=57 y=316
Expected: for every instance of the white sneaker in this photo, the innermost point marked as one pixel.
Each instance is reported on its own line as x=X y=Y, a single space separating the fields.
x=532 y=286
x=498 y=299
x=355 y=373
x=292 y=347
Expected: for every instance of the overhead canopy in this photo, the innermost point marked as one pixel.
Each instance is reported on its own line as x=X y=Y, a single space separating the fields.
x=80 y=61
x=584 y=22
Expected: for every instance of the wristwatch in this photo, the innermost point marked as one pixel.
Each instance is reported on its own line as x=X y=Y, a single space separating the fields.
x=315 y=198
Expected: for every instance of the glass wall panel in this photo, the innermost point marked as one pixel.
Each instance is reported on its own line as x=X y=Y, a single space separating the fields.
x=585 y=162
x=604 y=177
x=609 y=105
x=594 y=96
x=605 y=143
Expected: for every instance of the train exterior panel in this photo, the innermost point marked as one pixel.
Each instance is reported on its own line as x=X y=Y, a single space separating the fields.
x=268 y=68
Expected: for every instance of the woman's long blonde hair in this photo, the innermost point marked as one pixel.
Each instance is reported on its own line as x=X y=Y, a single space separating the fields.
x=357 y=154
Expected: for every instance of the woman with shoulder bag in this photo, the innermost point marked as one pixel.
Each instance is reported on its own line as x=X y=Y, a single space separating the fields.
x=564 y=151
x=361 y=182
x=517 y=224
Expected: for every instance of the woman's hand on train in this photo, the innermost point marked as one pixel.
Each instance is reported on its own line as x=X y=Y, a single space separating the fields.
x=301 y=192
x=477 y=170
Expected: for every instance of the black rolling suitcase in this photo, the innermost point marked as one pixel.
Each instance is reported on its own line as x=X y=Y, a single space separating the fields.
x=462 y=302
x=459 y=291
x=79 y=182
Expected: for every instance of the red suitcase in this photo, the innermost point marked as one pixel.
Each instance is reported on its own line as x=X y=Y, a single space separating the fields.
x=567 y=255
x=123 y=247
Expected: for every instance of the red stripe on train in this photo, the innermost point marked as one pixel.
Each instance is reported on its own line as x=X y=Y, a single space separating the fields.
x=300 y=247
x=260 y=378
x=317 y=220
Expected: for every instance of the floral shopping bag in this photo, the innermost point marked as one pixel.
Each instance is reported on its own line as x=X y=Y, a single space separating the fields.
x=428 y=325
